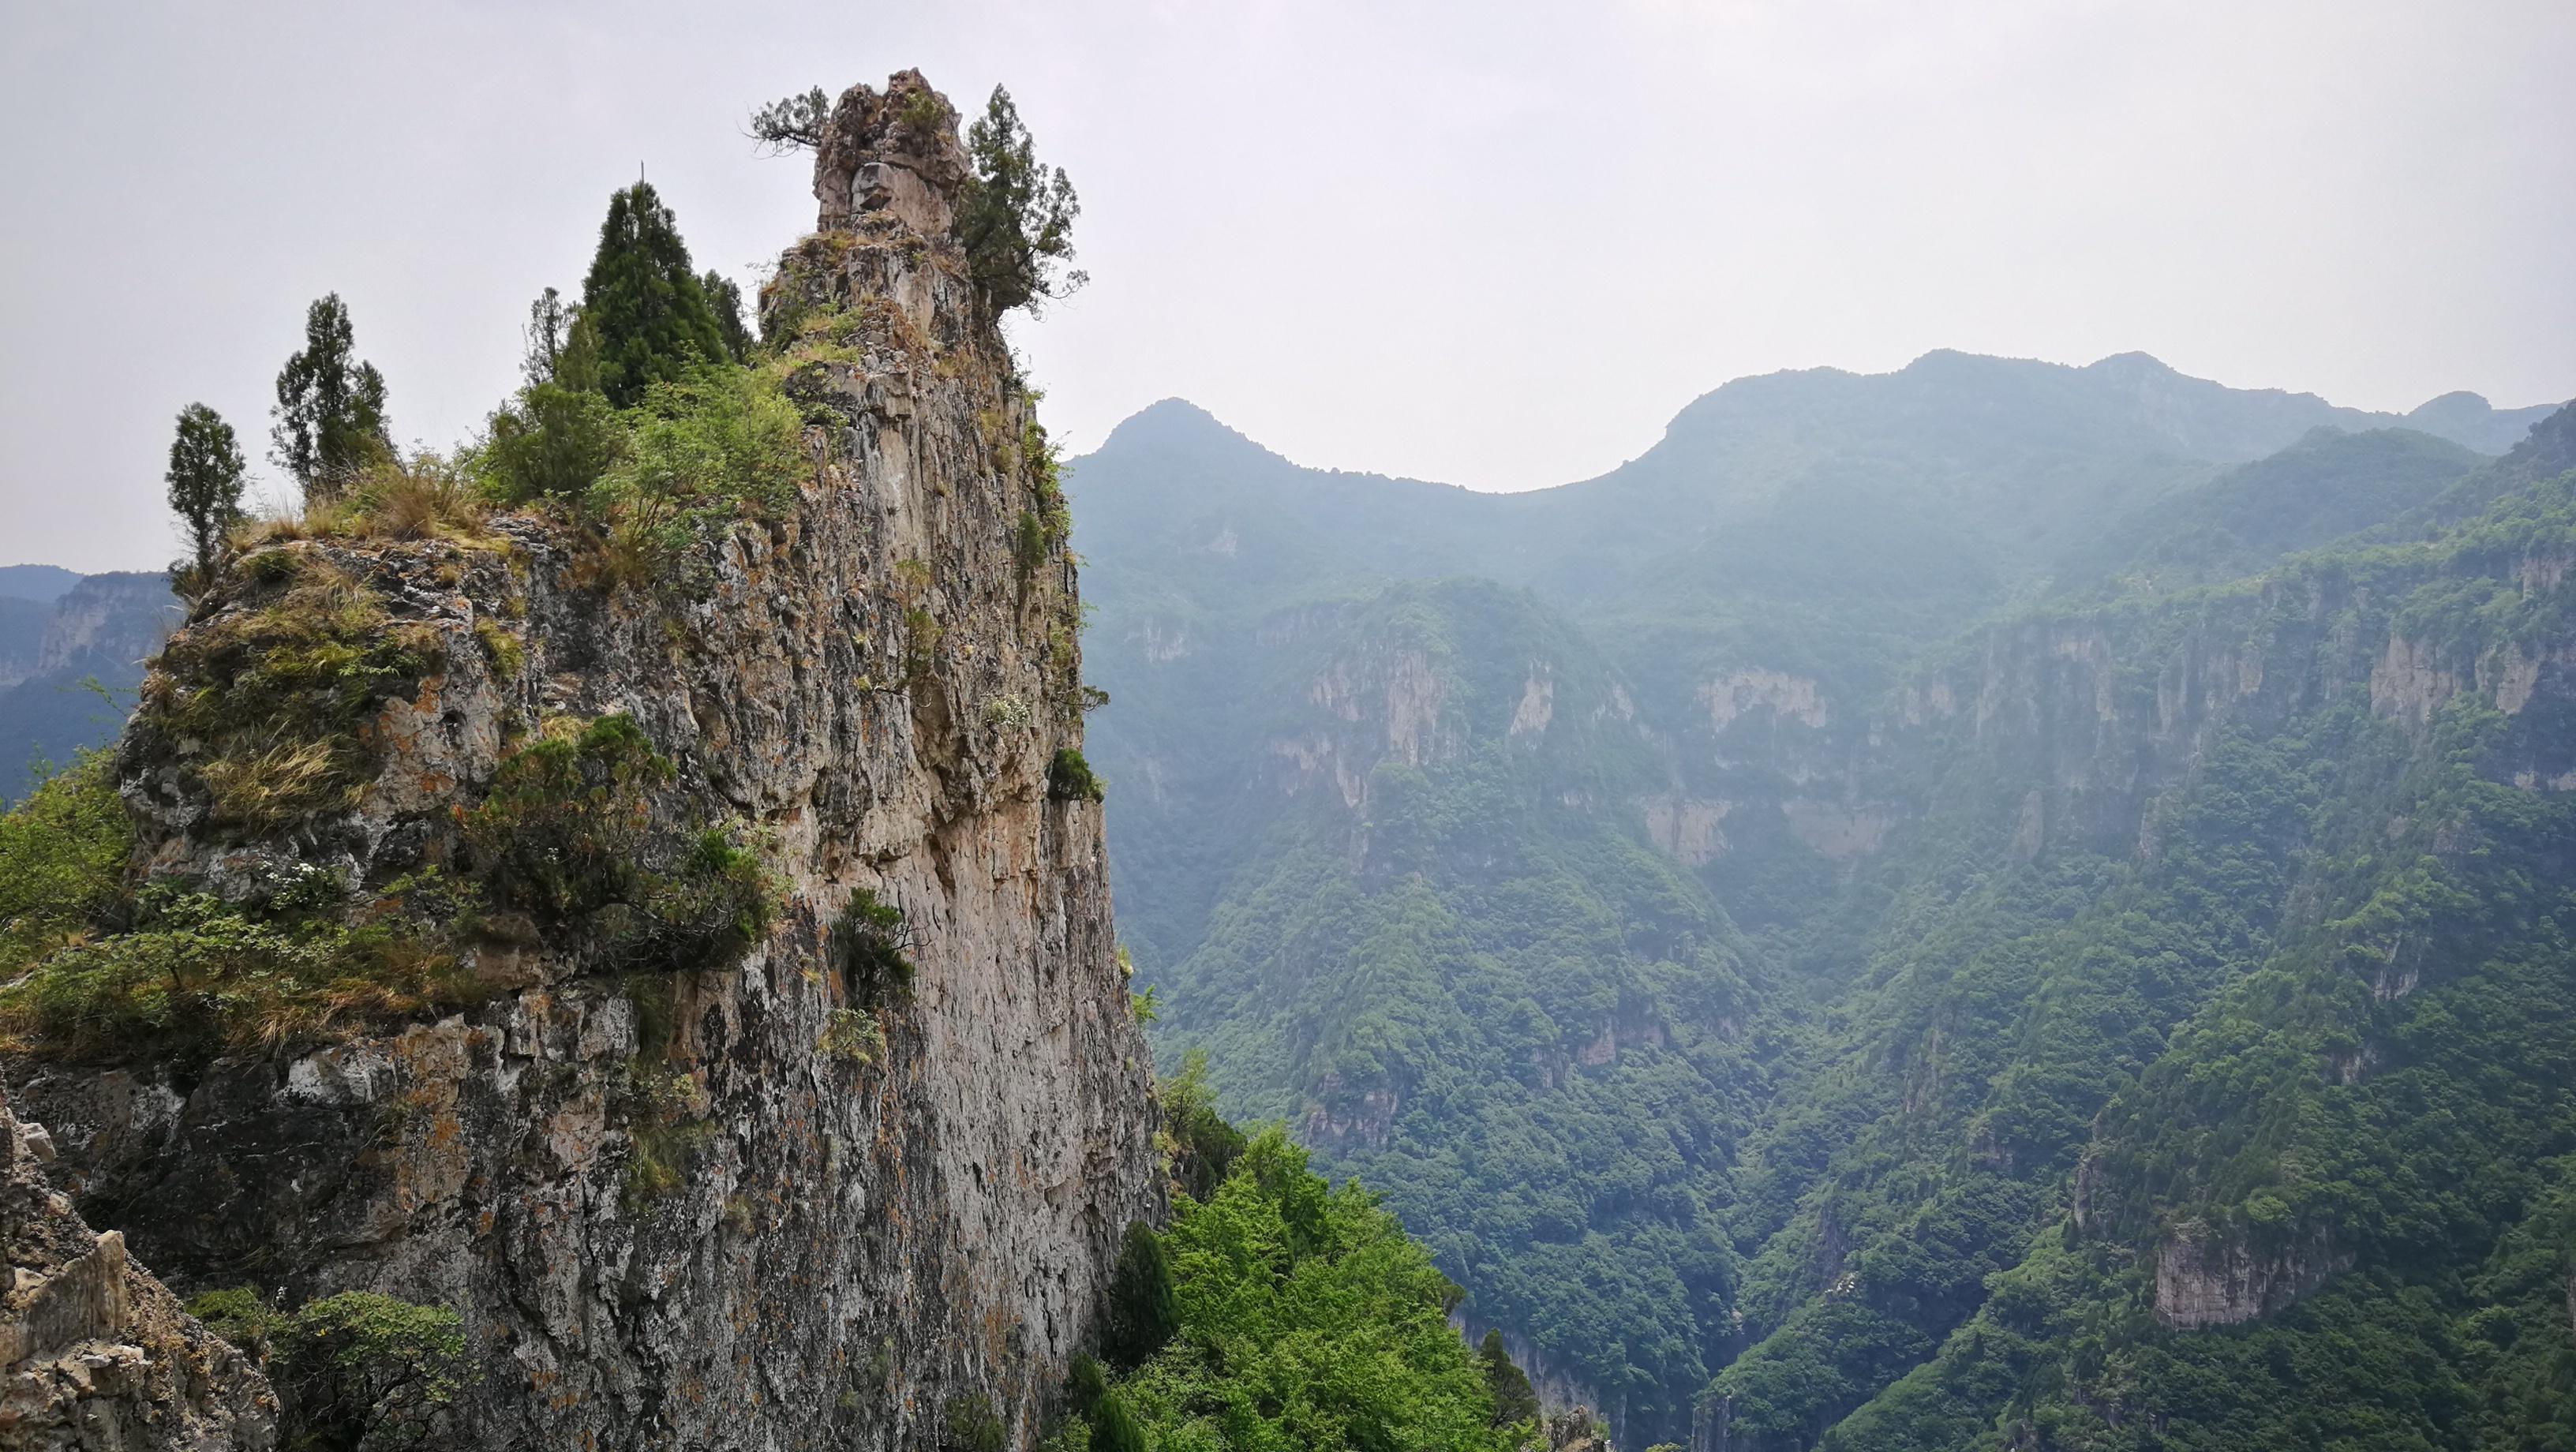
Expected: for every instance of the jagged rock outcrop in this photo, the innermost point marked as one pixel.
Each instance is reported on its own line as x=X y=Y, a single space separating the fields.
x=893 y=152
x=96 y=1355
x=741 y=1205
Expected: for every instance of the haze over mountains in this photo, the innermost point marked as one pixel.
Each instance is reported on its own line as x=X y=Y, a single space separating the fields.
x=1754 y=910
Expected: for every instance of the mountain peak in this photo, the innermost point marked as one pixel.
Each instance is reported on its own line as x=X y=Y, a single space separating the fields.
x=1176 y=423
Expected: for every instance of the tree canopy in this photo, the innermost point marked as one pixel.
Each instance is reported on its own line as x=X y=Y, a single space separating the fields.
x=330 y=414
x=205 y=480
x=644 y=301
x=1016 y=219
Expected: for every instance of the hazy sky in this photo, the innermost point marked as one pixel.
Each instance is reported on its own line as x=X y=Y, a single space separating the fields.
x=1496 y=244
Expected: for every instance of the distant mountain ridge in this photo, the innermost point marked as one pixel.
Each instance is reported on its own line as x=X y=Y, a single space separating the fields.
x=1636 y=926
x=96 y=628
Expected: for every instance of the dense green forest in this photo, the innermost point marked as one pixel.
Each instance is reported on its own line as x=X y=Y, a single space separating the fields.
x=1972 y=908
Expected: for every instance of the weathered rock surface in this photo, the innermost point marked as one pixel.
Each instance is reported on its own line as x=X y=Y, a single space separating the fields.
x=859 y=1248
x=2210 y=1279
x=95 y=1354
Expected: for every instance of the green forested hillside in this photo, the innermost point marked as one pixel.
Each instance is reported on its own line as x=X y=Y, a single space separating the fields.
x=1838 y=965
x=1483 y=996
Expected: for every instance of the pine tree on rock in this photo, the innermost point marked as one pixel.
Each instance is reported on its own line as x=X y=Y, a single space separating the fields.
x=205 y=482
x=329 y=422
x=1016 y=219
x=646 y=305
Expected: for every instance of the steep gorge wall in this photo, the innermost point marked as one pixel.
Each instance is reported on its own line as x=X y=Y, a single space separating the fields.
x=872 y=683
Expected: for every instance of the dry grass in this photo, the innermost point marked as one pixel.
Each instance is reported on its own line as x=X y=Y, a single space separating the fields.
x=288 y=781
x=426 y=496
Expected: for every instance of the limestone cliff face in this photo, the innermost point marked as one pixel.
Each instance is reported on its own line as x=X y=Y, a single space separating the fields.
x=108 y=623
x=95 y=1355
x=840 y=1249
x=2206 y=1278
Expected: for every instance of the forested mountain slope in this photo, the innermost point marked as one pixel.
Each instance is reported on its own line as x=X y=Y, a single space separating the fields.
x=1719 y=937
x=72 y=650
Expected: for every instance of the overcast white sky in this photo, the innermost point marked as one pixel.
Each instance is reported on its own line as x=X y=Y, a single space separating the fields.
x=1492 y=243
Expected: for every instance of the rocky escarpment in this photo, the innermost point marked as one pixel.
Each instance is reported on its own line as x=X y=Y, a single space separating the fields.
x=734 y=1192
x=96 y=1355
x=2206 y=1278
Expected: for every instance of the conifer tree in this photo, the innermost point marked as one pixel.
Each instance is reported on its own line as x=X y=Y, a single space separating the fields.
x=330 y=417
x=1143 y=1312
x=1016 y=218
x=549 y=319
x=645 y=304
x=725 y=296
x=205 y=482
x=1514 y=1400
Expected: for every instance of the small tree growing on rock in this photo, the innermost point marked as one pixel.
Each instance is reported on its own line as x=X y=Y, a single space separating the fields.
x=205 y=481
x=1016 y=219
x=330 y=414
x=792 y=123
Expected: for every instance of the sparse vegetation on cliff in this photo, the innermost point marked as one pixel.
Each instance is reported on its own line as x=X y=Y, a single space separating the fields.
x=355 y=1372
x=275 y=696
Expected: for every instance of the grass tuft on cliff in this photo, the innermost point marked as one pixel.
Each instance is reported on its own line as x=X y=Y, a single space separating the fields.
x=274 y=698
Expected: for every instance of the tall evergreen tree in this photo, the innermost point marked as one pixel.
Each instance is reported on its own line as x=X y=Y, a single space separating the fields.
x=330 y=416
x=1016 y=219
x=549 y=319
x=647 y=306
x=1514 y=1399
x=1142 y=1312
x=725 y=296
x=205 y=481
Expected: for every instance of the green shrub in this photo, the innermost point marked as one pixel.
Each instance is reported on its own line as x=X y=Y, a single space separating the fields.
x=1029 y=544
x=352 y=1371
x=1200 y=1146
x=874 y=944
x=666 y=1123
x=62 y=861
x=973 y=1426
x=699 y=452
x=1070 y=778
x=568 y=831
x=551 y=442
x=853 y=1036
x=1300 y=1316
x=563 y=826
